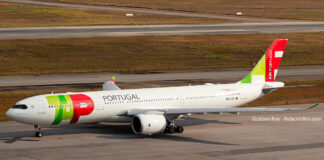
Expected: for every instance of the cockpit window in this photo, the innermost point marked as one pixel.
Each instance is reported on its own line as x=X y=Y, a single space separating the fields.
x=20 y=106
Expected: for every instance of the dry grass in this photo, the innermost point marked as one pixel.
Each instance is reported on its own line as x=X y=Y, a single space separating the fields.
x=285 y=96
x=280 y=97
x=133 y=54
x=288 y=9
x=21 y=15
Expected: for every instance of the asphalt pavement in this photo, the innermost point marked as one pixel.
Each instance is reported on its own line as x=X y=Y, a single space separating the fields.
x=158 y=30
x=267 y=136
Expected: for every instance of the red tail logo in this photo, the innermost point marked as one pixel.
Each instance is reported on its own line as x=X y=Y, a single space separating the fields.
x=273 y=58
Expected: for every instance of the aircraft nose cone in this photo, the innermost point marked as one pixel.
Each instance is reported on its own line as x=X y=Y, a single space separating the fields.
x=18 y=115
x=10 y=114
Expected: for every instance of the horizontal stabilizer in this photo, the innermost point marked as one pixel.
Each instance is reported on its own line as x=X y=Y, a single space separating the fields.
x=268 y=89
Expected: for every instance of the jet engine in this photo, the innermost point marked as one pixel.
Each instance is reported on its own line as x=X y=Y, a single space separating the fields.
x=148 y=124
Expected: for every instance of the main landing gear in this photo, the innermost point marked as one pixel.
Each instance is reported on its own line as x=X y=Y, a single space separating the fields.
x=38 y=131
x=172 y=128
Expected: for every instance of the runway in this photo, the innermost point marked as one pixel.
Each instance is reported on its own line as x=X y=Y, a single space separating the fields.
x=158 y=30
x=225 y=136
x=287 y=73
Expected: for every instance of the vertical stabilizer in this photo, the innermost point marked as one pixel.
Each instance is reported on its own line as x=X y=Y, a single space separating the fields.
x=267 y=67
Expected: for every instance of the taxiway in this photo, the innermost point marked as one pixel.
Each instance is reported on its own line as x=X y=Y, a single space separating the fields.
x=158 y=30
x=225 y=136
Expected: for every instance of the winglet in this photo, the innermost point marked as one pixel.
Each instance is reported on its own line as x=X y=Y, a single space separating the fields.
x=313 y=106
x=112 y=79
x=110 y=85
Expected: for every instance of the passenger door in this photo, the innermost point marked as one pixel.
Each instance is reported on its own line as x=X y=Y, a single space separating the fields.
x=99 y=106
x=42 y=108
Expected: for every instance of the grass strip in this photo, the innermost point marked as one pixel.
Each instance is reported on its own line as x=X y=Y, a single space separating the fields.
x=140 y=54
x=22 y=15
x=288 y=9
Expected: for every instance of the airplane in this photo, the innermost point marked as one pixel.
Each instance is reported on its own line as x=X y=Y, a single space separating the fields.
x=153 y=110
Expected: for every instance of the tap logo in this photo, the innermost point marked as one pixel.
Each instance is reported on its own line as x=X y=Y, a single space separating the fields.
x=70 y=107
x=269 y=68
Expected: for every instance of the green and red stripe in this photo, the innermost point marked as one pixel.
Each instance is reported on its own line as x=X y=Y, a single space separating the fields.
x=70 y=107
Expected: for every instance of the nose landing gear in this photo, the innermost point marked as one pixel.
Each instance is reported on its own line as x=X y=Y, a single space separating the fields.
x=38 y=131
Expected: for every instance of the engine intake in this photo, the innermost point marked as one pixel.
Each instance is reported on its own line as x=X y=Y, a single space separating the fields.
x=148 y=124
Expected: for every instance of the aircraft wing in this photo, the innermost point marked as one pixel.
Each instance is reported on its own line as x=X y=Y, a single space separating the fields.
x=210 y=110
x=110 y=85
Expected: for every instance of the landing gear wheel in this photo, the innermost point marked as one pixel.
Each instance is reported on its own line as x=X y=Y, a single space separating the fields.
x=39 y=134
x=172 y=130
x=179 y=129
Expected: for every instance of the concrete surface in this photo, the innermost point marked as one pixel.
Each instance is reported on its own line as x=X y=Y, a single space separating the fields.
x=158 y=30
x=225 y=136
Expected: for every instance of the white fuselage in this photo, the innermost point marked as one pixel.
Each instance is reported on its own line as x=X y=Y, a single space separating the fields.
x=53 y=109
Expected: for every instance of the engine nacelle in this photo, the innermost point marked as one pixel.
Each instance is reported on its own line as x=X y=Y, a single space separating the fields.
x=148 y=124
